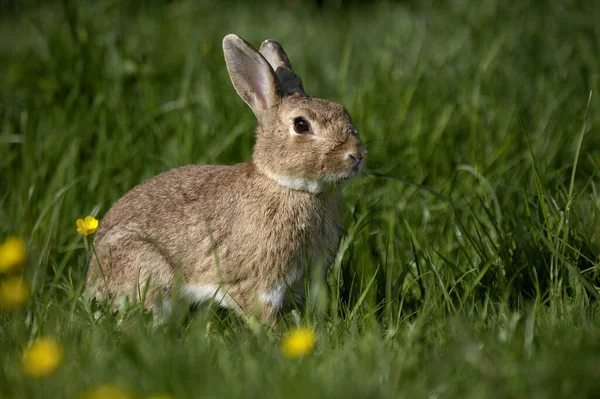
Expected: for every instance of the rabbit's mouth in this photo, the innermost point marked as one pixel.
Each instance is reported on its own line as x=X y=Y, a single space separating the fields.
x=359 y=167
x=344 y=177
x=356 y=169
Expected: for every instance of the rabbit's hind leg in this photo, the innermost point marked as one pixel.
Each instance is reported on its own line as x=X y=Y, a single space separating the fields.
x=130 y=269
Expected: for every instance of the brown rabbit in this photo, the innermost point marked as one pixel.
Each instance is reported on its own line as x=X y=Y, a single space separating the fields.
x=243 y=235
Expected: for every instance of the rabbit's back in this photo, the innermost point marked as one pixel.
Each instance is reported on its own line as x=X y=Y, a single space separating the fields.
x=159 y=205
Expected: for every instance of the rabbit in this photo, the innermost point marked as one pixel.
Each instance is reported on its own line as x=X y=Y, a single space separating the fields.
x=242 y=235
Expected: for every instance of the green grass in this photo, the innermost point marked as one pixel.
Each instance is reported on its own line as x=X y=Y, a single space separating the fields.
x=470 y=264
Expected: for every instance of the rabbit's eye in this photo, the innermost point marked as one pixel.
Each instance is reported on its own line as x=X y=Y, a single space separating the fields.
x=301 y=126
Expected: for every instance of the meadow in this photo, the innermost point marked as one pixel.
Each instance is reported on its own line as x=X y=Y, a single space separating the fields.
x=470 y=264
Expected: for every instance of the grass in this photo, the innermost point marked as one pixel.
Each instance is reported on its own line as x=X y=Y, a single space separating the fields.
x=470 y=263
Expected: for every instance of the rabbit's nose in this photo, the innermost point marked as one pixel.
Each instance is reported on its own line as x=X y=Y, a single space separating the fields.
x=355 y=158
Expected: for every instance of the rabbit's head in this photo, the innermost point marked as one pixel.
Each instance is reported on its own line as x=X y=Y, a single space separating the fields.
x=303 y=142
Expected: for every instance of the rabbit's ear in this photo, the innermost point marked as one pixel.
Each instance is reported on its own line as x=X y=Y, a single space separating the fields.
x=251 y=75
x=289 y=82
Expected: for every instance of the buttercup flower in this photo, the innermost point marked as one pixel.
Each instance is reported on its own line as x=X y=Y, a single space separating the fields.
x=42 y=358
x=12 y=254
x=108 y=391
x=298 y=342
x=13 y=292
x=87 y=226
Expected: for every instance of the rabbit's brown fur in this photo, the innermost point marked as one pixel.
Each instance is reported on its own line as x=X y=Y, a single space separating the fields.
x=243 y=234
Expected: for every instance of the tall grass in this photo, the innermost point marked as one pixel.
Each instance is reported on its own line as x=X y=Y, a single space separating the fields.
x=470 y=264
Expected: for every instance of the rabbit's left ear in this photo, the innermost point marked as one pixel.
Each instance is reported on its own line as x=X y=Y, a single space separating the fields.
x=251 y=75
x=289 y=82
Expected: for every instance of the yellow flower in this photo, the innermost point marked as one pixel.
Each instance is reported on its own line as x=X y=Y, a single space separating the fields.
x=12 y=254
x=299 y=342
x=87 y=226
x=13 y=292
x=108 y=391
x=42 y=358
